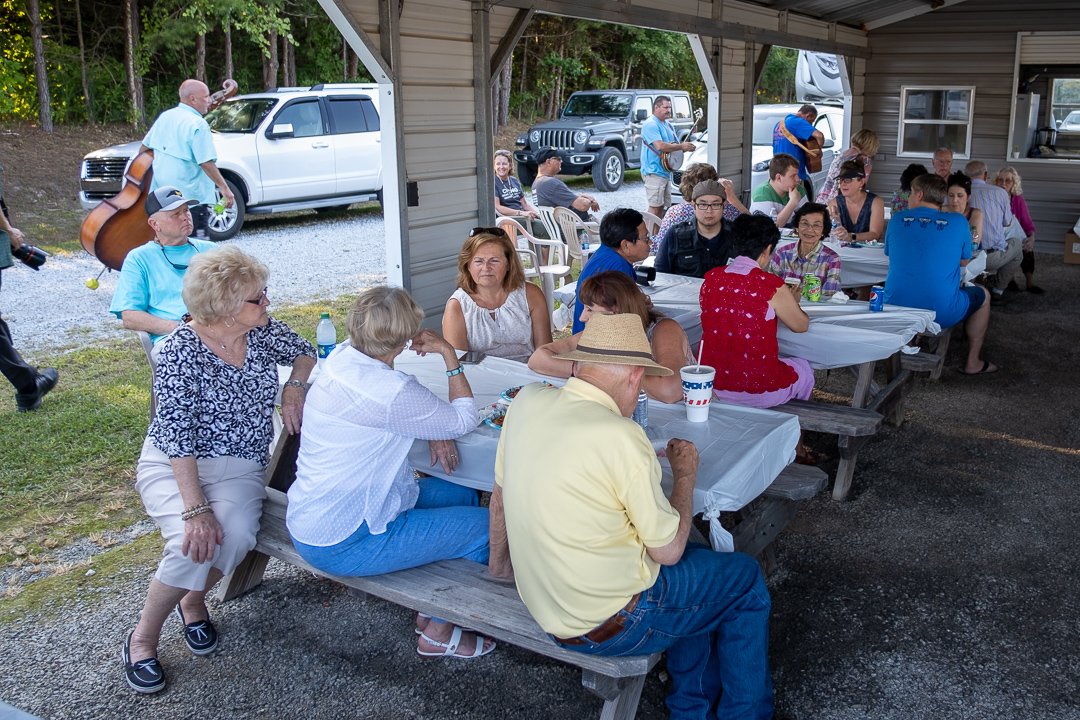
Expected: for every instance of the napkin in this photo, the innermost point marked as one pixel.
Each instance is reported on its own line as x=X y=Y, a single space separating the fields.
x=839 y=298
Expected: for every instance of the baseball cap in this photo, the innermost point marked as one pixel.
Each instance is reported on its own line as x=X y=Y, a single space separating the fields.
x=166 y=198
x=708 y=187
x=546 y=154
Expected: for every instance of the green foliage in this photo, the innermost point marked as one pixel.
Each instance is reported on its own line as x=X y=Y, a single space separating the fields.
x=777 y=83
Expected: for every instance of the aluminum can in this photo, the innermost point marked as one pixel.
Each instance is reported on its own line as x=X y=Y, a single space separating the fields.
x=811 y=287
x=877 y=298
x=641 y=410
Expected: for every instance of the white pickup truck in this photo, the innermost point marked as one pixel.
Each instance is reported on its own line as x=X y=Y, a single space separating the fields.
x=286 y=149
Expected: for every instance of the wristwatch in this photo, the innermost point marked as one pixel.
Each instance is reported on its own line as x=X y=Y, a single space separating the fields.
x=297 y=384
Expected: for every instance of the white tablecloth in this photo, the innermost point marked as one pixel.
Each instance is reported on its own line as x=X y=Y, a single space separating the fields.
x=742 y=449
x=839 y=335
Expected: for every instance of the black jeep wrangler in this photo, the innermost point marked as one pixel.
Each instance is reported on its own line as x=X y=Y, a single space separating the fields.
x=600 y=131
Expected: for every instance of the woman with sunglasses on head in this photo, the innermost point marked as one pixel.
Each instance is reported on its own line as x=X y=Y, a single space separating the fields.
x=1009 y=179
x=358 y=507
x=494 y=310
x=611 y=293
x=200 y=474
x=809 y=254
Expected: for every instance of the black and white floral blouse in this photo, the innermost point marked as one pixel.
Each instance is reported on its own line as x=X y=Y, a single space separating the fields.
x=209 y=408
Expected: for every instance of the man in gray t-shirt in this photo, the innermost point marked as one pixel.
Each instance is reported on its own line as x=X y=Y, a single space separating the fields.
x=553 y=192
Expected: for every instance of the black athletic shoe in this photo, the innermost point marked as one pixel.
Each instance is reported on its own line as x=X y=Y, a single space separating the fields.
x=201 y=636
x=144 y=676
x=43 y=383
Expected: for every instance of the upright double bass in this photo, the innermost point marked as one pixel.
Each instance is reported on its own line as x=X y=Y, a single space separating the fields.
x=118 y=225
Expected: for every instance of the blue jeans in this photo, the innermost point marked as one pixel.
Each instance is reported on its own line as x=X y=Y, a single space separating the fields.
x=447 y=522
x=710 y=612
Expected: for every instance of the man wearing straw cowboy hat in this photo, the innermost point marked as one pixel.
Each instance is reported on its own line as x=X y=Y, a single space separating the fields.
x=600 y=556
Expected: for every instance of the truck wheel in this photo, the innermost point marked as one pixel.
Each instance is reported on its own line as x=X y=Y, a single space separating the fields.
x=224 y=225
x=607 y=171
x=526 y=174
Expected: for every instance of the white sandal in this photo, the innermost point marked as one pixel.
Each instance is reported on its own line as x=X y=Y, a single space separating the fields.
x=449 y=649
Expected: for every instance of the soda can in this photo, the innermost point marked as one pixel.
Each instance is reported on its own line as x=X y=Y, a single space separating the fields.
x=641 y=410
x=877 y=298
x=811 y=287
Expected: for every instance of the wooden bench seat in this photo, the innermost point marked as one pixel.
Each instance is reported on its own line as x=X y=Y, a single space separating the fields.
x=852 y=426
x=462 y=592
x=923 y=362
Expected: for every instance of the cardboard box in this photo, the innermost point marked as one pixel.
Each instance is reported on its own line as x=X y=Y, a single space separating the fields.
x=1072 y=248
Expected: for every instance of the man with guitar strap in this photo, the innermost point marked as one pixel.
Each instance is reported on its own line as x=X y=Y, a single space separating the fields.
x=184 y=154
x=796 y=136
x=661 y=153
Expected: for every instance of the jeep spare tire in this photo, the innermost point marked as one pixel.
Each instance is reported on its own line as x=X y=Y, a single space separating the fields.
x=607 y=171
x=225 y=224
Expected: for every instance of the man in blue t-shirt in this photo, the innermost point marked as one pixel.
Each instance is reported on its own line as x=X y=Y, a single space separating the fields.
x=927 y=251
x=799 y=127
x=657 y=136
x=623 y=242
x=147 y=295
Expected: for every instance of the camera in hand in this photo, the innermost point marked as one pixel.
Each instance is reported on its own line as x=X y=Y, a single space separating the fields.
x=32 y=257
x=644 y=275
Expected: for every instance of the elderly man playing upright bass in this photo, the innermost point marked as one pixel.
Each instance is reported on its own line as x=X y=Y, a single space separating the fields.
x=600 y=556
x=184 y=153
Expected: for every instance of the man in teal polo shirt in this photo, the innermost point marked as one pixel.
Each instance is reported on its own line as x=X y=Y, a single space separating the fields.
x=147 y=295
x=184 y=153
x=657 y=136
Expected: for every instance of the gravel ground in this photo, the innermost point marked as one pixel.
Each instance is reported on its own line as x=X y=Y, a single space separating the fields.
x=944 y=589
x=310 y=257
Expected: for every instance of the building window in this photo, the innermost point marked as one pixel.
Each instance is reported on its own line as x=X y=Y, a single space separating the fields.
x=1065 y=104
x=933 y=117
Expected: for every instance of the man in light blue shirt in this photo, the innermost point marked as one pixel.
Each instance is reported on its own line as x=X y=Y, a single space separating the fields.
x=147 y=295
x=657 y=136
x=1003 y=255
x=184 y=153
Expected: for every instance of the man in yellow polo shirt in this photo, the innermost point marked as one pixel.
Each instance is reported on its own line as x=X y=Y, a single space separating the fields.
x=600 y=556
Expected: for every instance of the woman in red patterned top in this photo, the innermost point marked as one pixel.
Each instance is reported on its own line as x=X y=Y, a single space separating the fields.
x=740 y=304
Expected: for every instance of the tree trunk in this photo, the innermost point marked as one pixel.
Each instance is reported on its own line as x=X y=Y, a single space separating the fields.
x=200 y=57
x=352 y=65
x=270 y=63
x=228 y=50
x=83 y=72
x=288 y=63
x=131 y=41
x=40 y=73
x=503 y=106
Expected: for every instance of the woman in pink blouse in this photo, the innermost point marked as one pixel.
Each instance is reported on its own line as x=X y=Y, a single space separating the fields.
x=1009 y=179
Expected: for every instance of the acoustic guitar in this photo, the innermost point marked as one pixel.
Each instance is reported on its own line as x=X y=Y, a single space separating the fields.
x=811 y=148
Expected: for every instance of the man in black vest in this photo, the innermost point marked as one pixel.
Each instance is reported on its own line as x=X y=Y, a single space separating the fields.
x=697 y=246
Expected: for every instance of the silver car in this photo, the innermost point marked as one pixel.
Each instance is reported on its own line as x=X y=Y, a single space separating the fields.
x=830 y=121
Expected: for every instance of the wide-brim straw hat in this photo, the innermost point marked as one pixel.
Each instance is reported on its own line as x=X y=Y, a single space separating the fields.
x=615 y=340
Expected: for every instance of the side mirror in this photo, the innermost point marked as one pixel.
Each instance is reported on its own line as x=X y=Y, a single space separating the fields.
x=640 y=115
x=282 y=130
x=828 y=144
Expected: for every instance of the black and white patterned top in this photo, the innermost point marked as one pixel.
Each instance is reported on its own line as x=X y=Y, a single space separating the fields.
x=209 y=408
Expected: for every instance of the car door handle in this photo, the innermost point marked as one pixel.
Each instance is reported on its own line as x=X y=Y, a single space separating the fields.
x=320 y=144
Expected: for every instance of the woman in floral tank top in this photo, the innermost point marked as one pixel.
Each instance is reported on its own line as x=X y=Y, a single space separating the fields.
x=740 y=304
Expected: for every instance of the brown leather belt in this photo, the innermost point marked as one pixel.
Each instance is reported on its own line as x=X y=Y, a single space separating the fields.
x=606 y=630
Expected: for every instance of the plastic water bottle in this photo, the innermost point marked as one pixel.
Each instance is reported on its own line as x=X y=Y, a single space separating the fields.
x=325 y=336
x=641 y=410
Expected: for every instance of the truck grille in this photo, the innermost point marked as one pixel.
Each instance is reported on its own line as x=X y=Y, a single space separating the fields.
x=559 y=139
x=105 y=168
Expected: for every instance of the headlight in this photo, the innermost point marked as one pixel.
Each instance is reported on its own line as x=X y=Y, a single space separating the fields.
x=581 y=136
x=760 y=166
x=535 y=136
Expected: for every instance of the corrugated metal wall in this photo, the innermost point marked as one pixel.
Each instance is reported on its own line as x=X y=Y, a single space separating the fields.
x=972 y=43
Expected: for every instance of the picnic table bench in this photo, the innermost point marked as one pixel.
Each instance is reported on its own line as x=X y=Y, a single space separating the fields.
x=462 y=592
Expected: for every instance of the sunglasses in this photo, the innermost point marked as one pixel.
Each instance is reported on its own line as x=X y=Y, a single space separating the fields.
x=261 y=299
x=175 y=266
x=487 y=231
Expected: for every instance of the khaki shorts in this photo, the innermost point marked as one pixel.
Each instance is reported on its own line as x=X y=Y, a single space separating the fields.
x=657 y=191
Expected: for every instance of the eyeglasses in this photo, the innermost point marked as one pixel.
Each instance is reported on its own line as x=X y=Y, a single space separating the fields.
x=812 y=226
x=262 y=299
x=487 y=231
x=175 y=266
x=708 y=206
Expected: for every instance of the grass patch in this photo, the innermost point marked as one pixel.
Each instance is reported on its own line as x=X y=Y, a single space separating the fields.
x=49 y=595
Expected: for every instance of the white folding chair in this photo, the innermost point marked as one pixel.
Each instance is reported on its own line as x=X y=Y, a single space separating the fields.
x=526 y=242
x=548 y=220
x=652 y=223
x=572 y=227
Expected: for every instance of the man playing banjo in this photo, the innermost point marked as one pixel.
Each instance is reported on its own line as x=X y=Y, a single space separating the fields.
x=658 y=138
